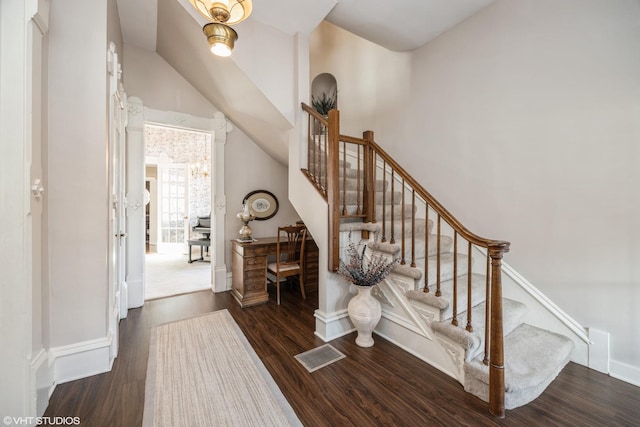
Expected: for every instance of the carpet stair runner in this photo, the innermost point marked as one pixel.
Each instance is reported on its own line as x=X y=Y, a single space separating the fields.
x=533 y=356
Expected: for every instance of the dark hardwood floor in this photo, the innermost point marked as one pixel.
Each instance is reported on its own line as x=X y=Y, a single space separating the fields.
x=381 y=385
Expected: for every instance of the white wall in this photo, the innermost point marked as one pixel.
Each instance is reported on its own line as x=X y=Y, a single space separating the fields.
x=523 y=122
x=147 y=76
x=77 y=172
x=266 y=55
x=372 y=81
x=248 y=168
x=528 y=115
x=114 y=32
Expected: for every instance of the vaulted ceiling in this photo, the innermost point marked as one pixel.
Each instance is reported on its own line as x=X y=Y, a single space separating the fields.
x=172 y=29
x=400 y=25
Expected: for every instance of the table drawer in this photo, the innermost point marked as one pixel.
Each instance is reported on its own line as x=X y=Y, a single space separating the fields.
x=263 y=250
x=260 y=261
x=255 y=273
x=256 y=284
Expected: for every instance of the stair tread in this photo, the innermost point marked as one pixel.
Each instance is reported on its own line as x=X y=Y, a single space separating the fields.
x=446 y=243
x=444 y=302
x=532 y=356
x=446 y=267
x=473 y=342
x=421 y=226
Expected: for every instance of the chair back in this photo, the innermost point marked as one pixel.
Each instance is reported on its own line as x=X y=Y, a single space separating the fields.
x=290 y=244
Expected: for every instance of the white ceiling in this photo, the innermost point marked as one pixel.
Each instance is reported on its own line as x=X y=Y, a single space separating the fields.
x=402 y=25
x=169 y=28
x=399 y=25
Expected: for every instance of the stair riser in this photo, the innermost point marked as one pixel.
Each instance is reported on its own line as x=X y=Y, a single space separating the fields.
x=446 y=268
x=319 y=170
x=352 y=184
x=353 y=197
x=420 y=228
x=446 y=244
x=397 y=212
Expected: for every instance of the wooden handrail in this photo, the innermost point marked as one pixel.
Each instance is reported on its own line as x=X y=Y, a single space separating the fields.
x=366 y=159
x=315 y=114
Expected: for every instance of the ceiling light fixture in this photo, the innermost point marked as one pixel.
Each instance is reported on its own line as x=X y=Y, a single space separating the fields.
x=221 y=38
x=222 y=14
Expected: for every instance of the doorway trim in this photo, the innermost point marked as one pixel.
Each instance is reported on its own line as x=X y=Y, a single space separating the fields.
x=217 y=127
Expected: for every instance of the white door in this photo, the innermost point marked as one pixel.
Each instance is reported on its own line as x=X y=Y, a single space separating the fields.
x=36 y=53
x=121 y=224
x=173 y=202
x=117 y=224
x=24 y=302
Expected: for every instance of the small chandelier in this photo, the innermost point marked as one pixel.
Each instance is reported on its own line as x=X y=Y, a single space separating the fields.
x=222 y=14
x=199 y=169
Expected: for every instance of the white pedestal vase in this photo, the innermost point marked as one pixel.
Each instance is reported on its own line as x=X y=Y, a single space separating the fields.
x=365 y=312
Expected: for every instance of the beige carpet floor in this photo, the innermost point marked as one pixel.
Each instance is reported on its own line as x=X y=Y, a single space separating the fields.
x=203 y=372
x=171 y=274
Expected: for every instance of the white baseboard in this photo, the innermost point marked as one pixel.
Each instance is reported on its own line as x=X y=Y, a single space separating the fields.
x=625 y=372
x=124 y=300
x=332 y=326
x=135 y=292
x=391 y=327
x=41 y=383
x=223 y=280
x=599 y=356
x=80 y=360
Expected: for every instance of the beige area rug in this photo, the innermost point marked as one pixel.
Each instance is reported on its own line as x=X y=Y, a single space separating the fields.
x=171 y=274
x=203 y=372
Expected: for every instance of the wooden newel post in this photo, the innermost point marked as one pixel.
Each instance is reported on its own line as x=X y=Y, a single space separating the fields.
x=496 y=349
x=333 y=189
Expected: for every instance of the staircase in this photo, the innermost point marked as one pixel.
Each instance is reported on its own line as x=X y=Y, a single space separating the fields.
x=447 y=287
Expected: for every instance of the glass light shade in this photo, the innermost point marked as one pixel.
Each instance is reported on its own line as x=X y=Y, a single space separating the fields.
x=220 y=49
x=221 y=38
x=239 y=10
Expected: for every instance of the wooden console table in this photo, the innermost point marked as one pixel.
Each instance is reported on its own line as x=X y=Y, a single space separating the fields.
x=249 y=269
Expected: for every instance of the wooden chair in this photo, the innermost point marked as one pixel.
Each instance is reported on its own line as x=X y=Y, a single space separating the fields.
x=289 y=257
